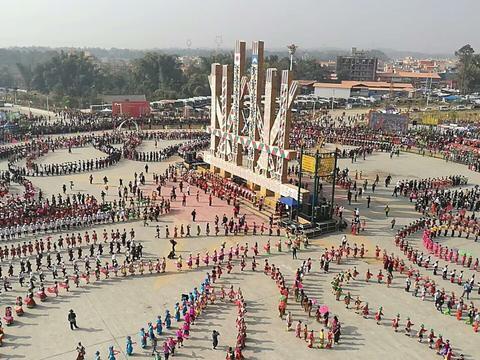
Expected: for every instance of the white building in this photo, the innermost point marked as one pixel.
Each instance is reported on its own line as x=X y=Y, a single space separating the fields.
x=348 y=89
x=332 y=90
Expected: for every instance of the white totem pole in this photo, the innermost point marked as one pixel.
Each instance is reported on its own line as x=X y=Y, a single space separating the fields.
x=263 y=134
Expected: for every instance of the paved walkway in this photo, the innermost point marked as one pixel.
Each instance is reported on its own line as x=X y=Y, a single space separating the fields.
x=109 y=310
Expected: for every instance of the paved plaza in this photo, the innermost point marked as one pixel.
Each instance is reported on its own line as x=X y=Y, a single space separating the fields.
x=109 y=310
x=178 y=186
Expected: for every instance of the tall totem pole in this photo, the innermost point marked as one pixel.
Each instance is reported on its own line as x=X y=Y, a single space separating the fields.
x=263 y=135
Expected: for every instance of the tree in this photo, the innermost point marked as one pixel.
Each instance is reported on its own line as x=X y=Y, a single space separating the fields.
x=196 y=74
x=118 y=78
x=310 y=69
x=6 y=78
x=468 y=69
x=26 y=73
x=74 y=75
x=157 y=71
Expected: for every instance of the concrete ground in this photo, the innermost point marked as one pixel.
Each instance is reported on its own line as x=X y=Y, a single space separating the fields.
x=110 y=310
x=149 y=145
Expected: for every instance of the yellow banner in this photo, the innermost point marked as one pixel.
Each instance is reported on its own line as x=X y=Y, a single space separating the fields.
x=326 y=166
x=429 y=120
x=308 y=163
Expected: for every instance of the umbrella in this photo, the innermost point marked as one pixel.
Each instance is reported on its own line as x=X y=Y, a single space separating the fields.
x=324 y=309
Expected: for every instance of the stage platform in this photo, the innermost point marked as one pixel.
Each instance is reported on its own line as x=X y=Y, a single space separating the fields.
x=313 y=231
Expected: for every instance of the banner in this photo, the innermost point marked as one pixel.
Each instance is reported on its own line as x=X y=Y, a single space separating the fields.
x=429 y=120
x=326 y=166
x=308 y=163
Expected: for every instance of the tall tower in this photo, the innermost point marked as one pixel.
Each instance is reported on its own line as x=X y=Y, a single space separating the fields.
x=259 y=130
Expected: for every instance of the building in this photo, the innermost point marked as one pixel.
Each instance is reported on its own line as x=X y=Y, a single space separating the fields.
x=329 y=64
x=348 y=89
x=449 y=79
x=428 y=65
x=357 y=67
x=306 y=86
x=120 y=98
x=417 y=79
x=131 y=109
x=130 y=105
x=409 y=64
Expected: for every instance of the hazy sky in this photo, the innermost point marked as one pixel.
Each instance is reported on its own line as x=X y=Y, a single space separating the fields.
x=420 y=25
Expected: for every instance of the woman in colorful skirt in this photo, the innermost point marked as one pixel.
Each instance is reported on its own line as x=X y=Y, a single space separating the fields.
x=129 y=347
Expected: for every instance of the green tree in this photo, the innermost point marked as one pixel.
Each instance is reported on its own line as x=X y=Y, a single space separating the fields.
x=73 y=75
x=310 y=69
x=26 y=73
x=273 y=61
x=157 y=71
x=468 y=69
x=7 y=79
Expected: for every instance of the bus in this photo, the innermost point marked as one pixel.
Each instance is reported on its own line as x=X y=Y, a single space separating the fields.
x=100 y=108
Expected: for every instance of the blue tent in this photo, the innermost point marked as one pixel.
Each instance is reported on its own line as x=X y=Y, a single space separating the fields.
x=452 y=98
x=288 y=201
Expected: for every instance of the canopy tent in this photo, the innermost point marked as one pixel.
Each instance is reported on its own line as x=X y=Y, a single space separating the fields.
x=288 y=201
x=452 y=98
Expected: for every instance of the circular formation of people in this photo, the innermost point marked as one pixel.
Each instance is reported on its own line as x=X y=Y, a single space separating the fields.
x=113 y=247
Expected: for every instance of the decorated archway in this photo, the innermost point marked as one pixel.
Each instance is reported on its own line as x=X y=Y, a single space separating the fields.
x=129 y=121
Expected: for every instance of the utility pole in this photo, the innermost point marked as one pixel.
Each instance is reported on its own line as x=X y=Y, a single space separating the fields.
x=299 y=182
x=334 y=179
x=315 y=186
x=429 y=88
x=292 y=48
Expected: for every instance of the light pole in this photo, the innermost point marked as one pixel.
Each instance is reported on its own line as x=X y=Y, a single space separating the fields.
x=429 y=89
x=302 y=145
x=292 y=48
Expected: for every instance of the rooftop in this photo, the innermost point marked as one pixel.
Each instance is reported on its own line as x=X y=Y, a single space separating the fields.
x=368 y=84
x=409 y=74
x=119 y=98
